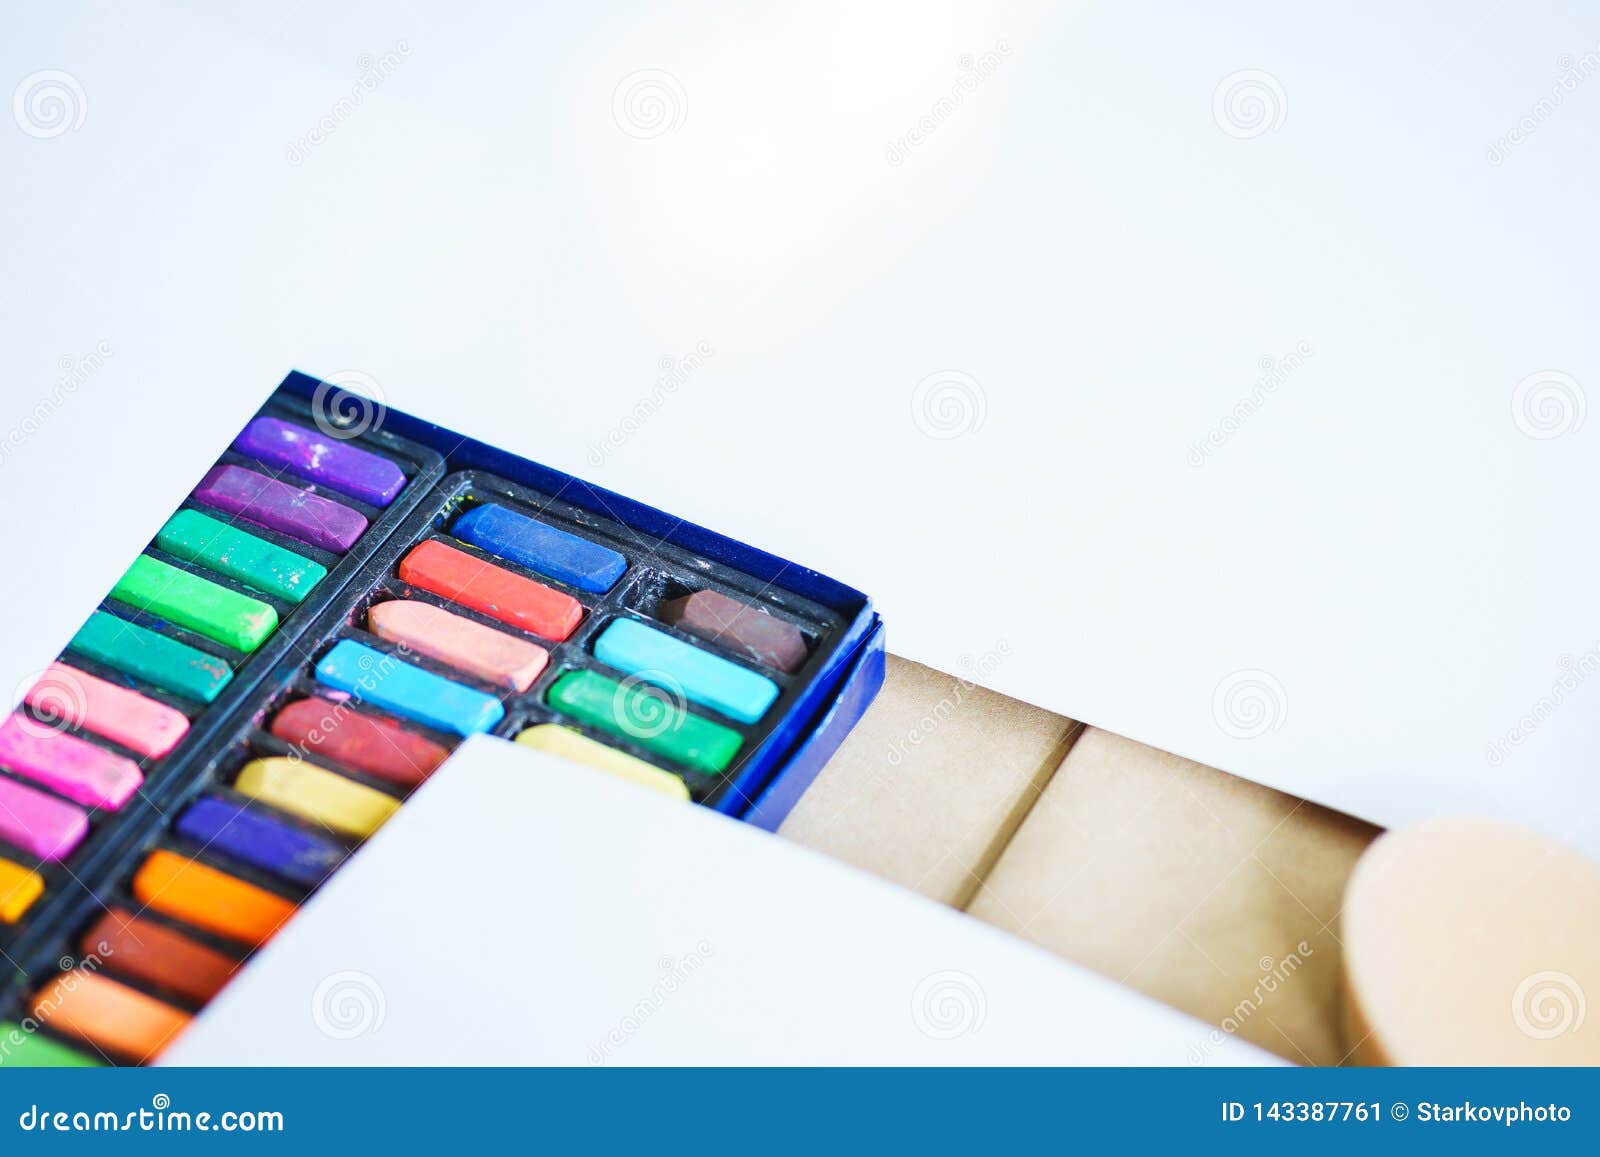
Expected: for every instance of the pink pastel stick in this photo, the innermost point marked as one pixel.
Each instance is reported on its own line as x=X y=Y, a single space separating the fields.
x=121 y=715
x=40 y=824
x=67 y=765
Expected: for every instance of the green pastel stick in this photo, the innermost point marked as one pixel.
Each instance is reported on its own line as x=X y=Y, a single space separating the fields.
x=21 y=1049
x=255 y=562
x=204 y=607
x=653 y=722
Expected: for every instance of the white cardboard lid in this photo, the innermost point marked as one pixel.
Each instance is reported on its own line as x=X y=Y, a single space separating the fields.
x=488 y=923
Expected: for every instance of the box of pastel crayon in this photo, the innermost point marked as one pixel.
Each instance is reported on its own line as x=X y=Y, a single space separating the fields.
x=347 y=594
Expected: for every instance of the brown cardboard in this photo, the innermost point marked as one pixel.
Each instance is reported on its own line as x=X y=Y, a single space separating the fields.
x=1207 y=892
x=932 y=782
x=1210 y=893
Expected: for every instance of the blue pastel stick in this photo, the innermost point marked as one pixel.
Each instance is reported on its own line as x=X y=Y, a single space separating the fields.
x=231 y=829
x=395 y=686
x=657 y=657
x=544 y=549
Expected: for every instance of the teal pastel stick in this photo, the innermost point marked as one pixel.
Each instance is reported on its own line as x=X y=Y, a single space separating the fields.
x=711 y=680
x=395 y=686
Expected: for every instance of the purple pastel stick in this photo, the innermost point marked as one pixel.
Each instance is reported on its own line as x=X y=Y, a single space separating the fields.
x=326 y=461
x=278 y=506
x=260 y=840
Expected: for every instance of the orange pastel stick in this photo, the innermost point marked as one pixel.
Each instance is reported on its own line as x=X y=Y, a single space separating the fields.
x=179 y=887
x=112 y=1017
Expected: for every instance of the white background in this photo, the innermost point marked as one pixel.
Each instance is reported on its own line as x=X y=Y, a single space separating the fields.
x=1103 y=253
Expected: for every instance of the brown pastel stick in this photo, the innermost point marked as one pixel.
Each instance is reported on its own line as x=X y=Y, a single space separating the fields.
x=155 y=954
x=360 y=742
x=740 y=627
x=1472 y=942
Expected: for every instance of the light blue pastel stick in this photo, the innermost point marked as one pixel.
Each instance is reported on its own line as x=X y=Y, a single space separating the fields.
x=657 y=657
x=393 y=685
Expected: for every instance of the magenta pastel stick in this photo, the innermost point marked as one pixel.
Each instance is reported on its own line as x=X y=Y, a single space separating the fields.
x=41 y=825
x=67 y=765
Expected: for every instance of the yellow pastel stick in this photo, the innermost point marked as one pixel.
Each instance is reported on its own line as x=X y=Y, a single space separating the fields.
x=19 y=888
x=320 y=796
x=554 y=739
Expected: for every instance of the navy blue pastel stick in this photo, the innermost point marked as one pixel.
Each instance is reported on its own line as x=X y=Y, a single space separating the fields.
x=544 y=549
x=221 y=826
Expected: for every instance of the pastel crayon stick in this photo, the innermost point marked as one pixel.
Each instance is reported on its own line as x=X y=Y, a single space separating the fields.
x=341 y=735
x=327 y=461
x=144 y=654
x=393 y=685
x=459 y=642
x=229 y=829
x=237 y=554
x=650 y=720
x=316 y=794
x=41 y=825
x=657 y=657
x=156 y=955
x=19 y=888
x=577 y=747
x=740 y=627
x=112 y=1017
x=501 y=594
x=303 y=516
x=75 y=768
x=544 y=549
x=207 y=898
x=28 y=1048
x=196 y=604
x=66 y=695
